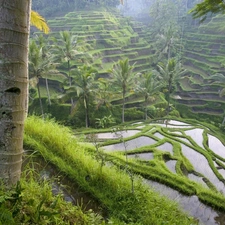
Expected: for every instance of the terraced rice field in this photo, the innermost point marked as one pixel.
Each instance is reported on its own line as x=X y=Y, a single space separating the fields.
x=203 y=57
x=174 y=157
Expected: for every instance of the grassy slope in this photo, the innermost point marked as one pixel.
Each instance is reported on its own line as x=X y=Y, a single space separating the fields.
x=32 y=202
x=107 y=183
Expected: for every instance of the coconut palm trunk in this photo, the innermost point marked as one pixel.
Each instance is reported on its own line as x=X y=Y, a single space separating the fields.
x=123 y=109
x=14 y=33
x=47 y=89
x=69 y=73
x=168 y=97
x=124 y=78
x=87 y=120
x=146 y=109
x=39 y=96
x=70 y=84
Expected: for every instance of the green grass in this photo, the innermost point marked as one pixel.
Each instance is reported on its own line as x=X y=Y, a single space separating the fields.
x=32 y=201
x=110 y=185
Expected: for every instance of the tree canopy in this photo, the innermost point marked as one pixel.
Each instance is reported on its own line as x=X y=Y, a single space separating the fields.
x=207 y=6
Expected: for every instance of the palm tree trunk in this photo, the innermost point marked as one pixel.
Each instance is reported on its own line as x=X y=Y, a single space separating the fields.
x=123 y=109
x=69 y=75
x=39 y=96
x=70 y=83
x=14 y=34
x=169 y=51
x=168 y=106
x=223 y=121
x=47 y=89
x=168 y=100
x=146 y=110
x=86 y=112
x=86 y=118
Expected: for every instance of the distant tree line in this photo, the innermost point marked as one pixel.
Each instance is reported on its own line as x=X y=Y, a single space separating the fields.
x=51 y=7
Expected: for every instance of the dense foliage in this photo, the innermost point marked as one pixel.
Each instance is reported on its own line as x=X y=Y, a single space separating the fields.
x=53 y=7
x=206 y=7
x=32 y=201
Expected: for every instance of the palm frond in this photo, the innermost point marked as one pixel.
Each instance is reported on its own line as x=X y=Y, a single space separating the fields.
x=39 y=22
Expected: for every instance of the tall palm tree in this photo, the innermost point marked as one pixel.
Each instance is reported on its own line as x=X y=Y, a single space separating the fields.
x=123 y=78
x=104 y=94
x=168 y=41
x=170 y=74
x=148 y=86
x=46 y=55
x=65 y=50
x=40 y=64
x=83 y=86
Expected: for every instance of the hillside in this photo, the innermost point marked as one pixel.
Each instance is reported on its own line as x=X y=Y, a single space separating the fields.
x=108 y=37
x=203 y=57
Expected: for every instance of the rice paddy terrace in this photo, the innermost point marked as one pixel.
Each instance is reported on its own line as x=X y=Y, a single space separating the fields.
x=108 y=37
x=204 y=52
x=175 y=158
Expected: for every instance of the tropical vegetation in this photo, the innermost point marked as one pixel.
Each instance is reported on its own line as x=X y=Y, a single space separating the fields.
x=98 y=69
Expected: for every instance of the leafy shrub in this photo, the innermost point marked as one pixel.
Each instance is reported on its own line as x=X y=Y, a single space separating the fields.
x=152 y=111
x=105 y=122
x=133 y=114
x=175 y=113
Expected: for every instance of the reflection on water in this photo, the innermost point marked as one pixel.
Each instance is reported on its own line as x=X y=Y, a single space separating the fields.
x=216 y=145
x=222 y=172
x=196 y=135
x=166 y=147
x=158 y=135
x=201 y=165
x=129 y=145
x=191 y=204
x=71 y=191
x=175 y=122
x=198 y=179
x=175 y=132
x=171 y=164
x=170 y=126
x=144 y=156
x=114 y=135
x=184 y=139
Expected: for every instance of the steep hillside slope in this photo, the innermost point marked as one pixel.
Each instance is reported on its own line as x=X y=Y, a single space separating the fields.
x=107 y=36
x=204 y=56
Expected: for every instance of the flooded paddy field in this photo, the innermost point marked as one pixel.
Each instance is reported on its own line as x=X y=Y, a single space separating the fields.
x=179 y=149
